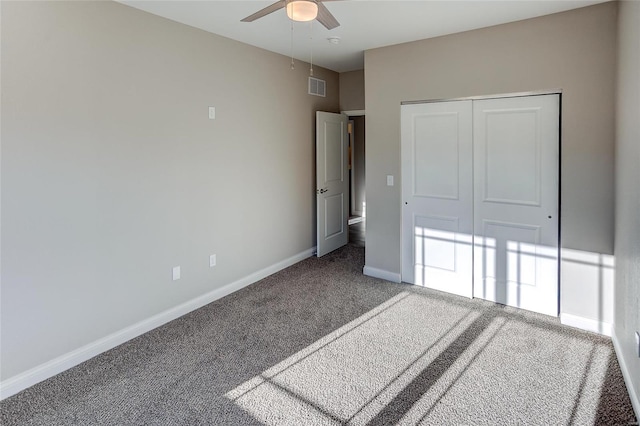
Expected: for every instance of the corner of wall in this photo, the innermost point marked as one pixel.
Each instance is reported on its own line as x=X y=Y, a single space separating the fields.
x=627 y=199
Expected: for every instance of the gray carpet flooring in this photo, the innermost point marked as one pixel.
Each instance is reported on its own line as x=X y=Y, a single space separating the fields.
x=319 y=343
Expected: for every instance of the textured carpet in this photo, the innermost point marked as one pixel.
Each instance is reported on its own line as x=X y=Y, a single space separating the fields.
x=319 y=343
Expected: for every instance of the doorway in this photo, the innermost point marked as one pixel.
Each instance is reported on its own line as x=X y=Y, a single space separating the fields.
x=480 y=195
x=357 y=193
x=340 y=180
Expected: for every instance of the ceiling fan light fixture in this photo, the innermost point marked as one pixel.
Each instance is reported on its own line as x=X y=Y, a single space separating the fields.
x=302 y=10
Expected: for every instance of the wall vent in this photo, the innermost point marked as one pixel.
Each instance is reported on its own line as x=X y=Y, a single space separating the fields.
x=317 y=87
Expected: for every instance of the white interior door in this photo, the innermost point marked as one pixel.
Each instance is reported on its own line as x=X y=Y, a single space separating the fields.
x=332 y=182
x=437 y=215
x=516 y=179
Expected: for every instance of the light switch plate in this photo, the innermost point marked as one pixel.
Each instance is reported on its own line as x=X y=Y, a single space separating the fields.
x=212 y=113
x=212 y=261
x=389 y=180
x=176 y=273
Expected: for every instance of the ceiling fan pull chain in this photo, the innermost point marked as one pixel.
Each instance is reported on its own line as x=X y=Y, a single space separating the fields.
x=293 y=66
x=311 y=69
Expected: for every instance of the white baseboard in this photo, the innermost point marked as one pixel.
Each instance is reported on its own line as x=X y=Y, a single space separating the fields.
x=57 y=365
x=355 y=219
x=382 y=274
x=587 y=324
x=634 y=394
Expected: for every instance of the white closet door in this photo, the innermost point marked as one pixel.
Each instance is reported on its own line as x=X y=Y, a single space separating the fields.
x=516 y=176
x=436 y=151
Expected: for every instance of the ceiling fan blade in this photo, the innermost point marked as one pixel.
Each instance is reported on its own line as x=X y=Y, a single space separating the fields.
x=264 y=12
x=326 y=18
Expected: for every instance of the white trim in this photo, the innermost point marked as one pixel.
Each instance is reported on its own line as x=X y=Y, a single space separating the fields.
x=352 y=165
x=382 y=274
x=482 y=97
x=355 y=219
x=587 y=324
x=17 y=383
x=354 y=113
x=634 y=395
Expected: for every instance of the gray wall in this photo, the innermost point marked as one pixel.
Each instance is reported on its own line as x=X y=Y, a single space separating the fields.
x=112 y=173
x=627 y=247
x=574 y=51
x=352 y=90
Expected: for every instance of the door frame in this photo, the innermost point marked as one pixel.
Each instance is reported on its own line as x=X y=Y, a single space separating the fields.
x=496 y=96
x=351 y=126
x=350 y=114
x=499 y=96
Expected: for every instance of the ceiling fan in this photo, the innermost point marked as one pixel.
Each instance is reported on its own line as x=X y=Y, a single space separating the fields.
x=300 y=10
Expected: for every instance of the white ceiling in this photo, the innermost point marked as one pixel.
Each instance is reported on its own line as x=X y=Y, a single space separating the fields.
x=364 y=24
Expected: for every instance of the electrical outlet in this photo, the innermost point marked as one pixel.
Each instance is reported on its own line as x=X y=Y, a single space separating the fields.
x=638 y=343
x=212 y=261
x=176 y=273
x=212 y=113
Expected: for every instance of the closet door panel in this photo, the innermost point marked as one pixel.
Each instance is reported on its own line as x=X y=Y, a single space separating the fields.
x=516 y=176
x=437 y=196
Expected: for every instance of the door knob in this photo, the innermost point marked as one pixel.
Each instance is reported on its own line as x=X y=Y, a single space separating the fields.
x=322 y=191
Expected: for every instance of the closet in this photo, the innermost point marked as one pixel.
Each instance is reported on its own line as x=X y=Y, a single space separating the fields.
x=480 y=198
